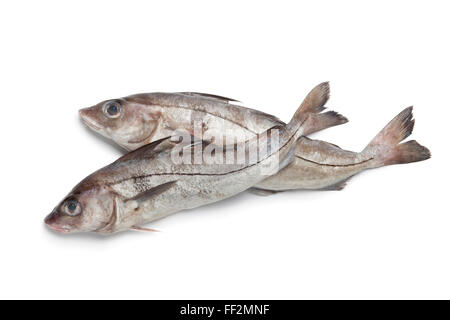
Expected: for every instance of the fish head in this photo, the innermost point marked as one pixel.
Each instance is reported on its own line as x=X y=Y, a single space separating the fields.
x=129 y=123
x=83 y=210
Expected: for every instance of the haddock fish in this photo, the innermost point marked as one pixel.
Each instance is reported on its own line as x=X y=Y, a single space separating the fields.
x=139 y=119
x=147 y=184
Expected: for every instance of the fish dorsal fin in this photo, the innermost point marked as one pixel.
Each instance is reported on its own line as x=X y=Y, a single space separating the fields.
x=207 y=95
x=152 y=192
x=146 y=151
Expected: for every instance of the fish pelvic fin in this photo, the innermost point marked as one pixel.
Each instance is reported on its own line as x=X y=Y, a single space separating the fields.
x=137 y=228
x=386 y=147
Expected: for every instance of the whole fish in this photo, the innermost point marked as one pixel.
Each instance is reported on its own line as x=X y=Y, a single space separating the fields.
x=147 y=184
x=137 y=120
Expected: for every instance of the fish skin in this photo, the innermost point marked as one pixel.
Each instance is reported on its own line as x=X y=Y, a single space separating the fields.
x=321 y=165
x=110 y=200
x=326 y=166
x=151 y=116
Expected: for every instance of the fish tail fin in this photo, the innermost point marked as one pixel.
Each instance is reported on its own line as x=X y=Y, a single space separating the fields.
x=321 y=121
x=313 y=104
x=386 y=147
x=316 y=99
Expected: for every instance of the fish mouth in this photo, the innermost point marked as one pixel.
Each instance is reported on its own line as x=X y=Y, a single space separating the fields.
x=88 y=120
x=58 y=229
x=50 y=222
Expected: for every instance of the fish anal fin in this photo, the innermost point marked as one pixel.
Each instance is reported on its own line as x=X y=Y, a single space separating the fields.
x=337 y=186
x=262 y=192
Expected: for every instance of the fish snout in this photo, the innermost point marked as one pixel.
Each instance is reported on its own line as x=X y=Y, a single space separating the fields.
x=88 y=117
x=53 y=222
x=83 y=113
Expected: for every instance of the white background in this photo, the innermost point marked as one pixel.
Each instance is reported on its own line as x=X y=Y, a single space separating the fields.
x=386 y=235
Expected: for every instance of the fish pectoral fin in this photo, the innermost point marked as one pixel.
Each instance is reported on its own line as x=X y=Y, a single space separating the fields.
x=137 y=228
x=153 y=192
x=146 y=151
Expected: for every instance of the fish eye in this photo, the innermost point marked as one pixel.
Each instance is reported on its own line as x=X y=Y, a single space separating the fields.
x=112 y=109
x=72 y=207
